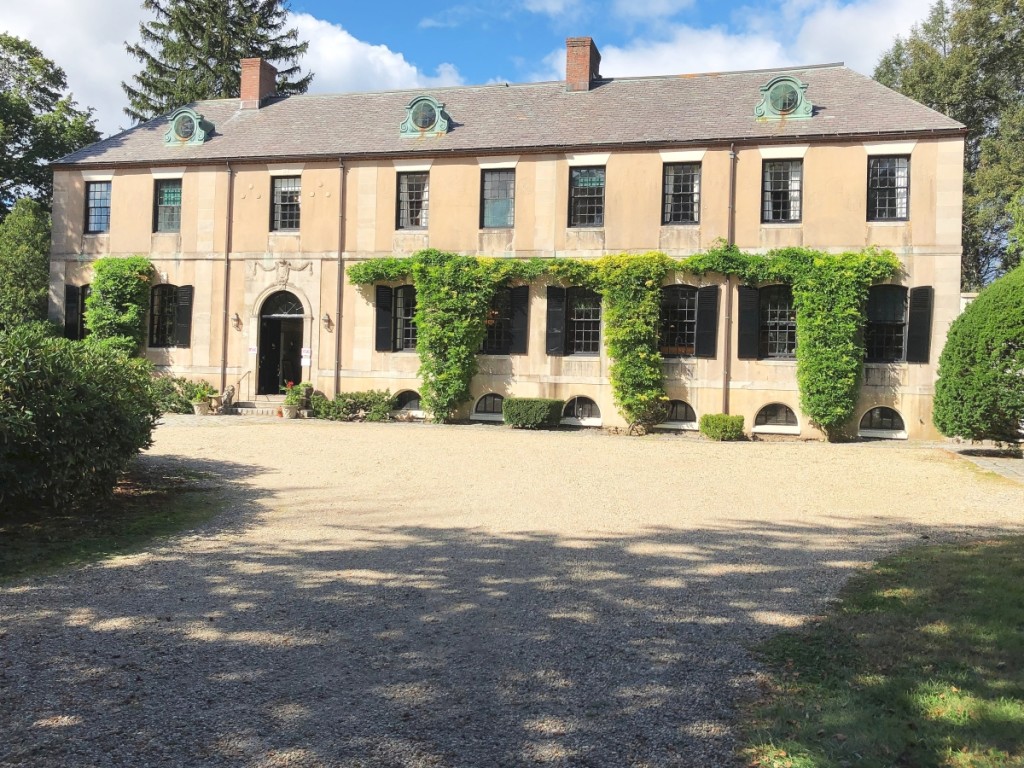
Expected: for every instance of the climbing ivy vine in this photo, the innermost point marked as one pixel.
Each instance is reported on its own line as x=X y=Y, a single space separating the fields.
x=454 y=294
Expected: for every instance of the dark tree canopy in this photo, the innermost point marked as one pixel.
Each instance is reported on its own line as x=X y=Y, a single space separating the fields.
x=965 y=60
x=39 y=122
x=192 y=51
x=980 y=391
x=24 y=264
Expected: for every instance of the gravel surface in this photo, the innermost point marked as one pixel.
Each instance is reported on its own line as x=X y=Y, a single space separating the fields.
x=414 y=595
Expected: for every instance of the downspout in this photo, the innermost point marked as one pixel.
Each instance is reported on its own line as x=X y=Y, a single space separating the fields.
x=341 y=277
x=227 y=281
x=730 y=241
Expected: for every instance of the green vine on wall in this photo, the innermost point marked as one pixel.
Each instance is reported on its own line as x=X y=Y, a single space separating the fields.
x=631 y=286
x=119 y=299
x=829 y=293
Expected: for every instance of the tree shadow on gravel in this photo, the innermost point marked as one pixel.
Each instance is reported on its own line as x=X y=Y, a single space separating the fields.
x=413 y=646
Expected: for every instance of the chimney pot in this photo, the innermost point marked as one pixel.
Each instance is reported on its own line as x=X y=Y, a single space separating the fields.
x=259 y=80
x=582 y=63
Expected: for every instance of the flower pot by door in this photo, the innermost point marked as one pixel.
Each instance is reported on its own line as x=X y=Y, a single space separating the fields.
x=201 y=409
x=289 y=411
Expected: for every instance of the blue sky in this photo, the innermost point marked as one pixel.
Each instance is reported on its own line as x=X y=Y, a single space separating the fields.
x=376 y=46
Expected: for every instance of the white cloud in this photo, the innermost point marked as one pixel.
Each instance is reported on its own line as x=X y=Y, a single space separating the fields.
x=814 y=32
x=649 y=9
x=553 y=7
x=344 y=63
x=86 y=39
x=858 y=32
x=88 y=43
x=686 y=50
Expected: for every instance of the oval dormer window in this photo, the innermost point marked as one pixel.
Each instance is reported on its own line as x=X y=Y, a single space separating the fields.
x=784 y=98
x=185 y=127
x=424 y=115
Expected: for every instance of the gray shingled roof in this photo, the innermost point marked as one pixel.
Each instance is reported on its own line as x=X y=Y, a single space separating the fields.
x=652 y=111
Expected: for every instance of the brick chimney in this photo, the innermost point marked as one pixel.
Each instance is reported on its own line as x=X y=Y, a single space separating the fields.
x=259 y=80
x=582 y=63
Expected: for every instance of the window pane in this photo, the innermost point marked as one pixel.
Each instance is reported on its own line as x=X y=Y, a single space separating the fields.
x=776 y=415
x=163 y=310
x=682 y=194
x=680 y=411
x=778 y=322
x=97 y=206
x=586 y=197
x=882 y=418
x=782 y=187
x=885 y=333
x=413 y=195
x=287 y=192
x=584 y=322
x=490 y=404
x=678 y=327
x=405 y=318
x=498 y=339
x=168 y=205
x=499 y=191
x=888 y=188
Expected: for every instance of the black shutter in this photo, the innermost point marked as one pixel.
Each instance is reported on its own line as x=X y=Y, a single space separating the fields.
x=72 y=311
x=749 y=323
x=183 y=316
x=919 y=332
x=385 y=307
x=556 y=320
x=707 y=321
x=520 y=325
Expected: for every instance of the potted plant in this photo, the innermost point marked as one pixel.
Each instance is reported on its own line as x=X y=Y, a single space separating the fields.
x=201 y=398
x=295 y=397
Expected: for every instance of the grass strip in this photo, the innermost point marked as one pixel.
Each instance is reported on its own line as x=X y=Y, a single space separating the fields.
x=146 y=505
x=920 y=663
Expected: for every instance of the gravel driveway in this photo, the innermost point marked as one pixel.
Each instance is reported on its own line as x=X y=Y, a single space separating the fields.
x=413 y=595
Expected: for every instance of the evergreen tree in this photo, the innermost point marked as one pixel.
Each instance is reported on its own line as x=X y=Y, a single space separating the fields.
x=191 y=51
x=24 y=264
x=964 y=61
x=979 y=394
x=38 y=123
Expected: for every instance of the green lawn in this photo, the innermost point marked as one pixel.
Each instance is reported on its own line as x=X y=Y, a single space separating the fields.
x=143 y=508
x=920 y=664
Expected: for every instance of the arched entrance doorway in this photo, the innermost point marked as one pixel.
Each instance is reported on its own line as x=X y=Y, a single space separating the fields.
x=280 y=342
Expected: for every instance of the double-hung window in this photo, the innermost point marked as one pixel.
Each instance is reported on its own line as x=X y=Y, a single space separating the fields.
x=167 y=205
x=75 y=297
x=497 y=198
x=777 y=322
x=413 y=200
x=170 y=316
x=782 y=191
x=396 y=319
x=97 y=207
x=681 y=190
x=285 y=207
x=888 y=188
x=574 y=321
x=885 y=335
x=586 y=197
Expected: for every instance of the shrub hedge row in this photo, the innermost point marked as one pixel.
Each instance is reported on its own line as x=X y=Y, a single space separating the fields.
x=531 y=412
x=72 y=416
x=371 y=405
x=721 y=426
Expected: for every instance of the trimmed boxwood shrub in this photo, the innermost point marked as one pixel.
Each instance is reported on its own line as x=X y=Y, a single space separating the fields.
x=371 y=405
x=73 y=416
x=531 y=412
x=979 y=394
x=721 y=426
